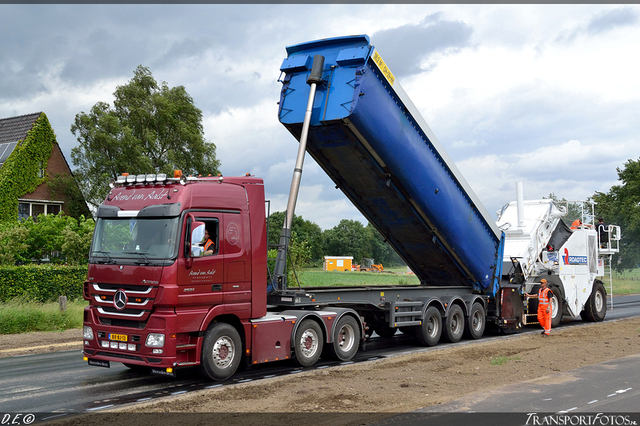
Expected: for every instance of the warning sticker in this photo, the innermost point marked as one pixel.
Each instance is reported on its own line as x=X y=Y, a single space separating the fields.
x=383 y=68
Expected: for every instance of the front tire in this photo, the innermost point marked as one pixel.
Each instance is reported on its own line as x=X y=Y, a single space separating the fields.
x=308 y=343
x=556 y=307
x=454 y=324
x=346 y=338
x=221 y=352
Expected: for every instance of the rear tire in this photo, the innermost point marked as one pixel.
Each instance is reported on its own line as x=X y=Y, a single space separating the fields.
x=428 y=334
x=476 y=322
x=596 y=307
x=346 y=339
x=221 y=351
x=308 y=343
x=454 y=324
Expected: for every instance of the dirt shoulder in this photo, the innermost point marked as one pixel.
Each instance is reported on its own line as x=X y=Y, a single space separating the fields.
x=40 y=342
x=409 y=382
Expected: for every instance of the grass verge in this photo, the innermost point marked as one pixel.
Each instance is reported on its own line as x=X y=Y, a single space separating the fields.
x=19 y=316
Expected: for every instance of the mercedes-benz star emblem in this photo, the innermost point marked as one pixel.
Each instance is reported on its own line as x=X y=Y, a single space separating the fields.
x=120 y=300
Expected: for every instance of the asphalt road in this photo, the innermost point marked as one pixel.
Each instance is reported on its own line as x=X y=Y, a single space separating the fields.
x=63 y=383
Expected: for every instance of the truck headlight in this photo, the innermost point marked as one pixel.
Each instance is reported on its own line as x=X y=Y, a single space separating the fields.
x=155 y=340
x=87 y=332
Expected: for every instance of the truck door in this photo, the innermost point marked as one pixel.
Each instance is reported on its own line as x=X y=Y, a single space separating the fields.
x=201 y=281
x=237 y=264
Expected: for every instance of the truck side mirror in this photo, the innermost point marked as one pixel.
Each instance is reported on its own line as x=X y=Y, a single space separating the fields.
x=197 y=235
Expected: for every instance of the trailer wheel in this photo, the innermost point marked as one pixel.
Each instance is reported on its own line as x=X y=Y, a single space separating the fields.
x=476 y=322
x=454 y=324
x=346 y=338
x=556 y=306
x=596 y=307
x=221 y=351
x=428 y=334
x=308 y=343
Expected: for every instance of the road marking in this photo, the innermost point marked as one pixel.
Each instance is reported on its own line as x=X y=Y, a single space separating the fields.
x=144 y=399
x=100 y=408
x=245 y=380
x=592 y=402
x=623 y=390
x=566 y=411
x=53 y=417
x=178 y=393
x=213 y=386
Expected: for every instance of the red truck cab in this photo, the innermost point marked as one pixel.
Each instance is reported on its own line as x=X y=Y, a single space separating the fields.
x=153 y=293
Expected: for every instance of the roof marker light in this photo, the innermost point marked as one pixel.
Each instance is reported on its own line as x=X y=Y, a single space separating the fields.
x=131 y=179
x=121 y=179
x=161 y=177
x=151 y=177
x=141 y=178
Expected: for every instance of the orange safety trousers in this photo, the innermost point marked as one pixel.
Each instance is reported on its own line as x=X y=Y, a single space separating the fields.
x=544 y=317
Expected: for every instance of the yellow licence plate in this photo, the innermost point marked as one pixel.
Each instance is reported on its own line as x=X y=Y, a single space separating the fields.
x=118 y=337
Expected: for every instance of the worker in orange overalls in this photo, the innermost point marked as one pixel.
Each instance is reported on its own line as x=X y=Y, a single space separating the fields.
x=576 y=224
x=209 y=245
x=544 y=307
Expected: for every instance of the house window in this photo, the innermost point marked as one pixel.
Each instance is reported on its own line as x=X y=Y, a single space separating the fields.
x=40 y=169
x=24 y=211
x=27 y=209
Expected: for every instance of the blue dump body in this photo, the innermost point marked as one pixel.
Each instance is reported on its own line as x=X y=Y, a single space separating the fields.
x=369 y=138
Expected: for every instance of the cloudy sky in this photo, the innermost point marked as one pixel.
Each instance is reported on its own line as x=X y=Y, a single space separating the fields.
x=548 y=95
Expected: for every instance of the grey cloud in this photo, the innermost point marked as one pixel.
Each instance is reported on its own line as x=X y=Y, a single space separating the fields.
x=601 y=23
x=405 y=48
x=612 y=19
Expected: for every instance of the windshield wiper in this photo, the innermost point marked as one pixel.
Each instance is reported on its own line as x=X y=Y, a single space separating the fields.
x=146 y=262
x=109 y=259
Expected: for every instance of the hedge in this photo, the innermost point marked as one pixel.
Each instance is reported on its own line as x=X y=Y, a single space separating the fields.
x=42 y=283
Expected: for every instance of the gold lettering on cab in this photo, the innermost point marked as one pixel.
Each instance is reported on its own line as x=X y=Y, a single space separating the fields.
x=383 y=68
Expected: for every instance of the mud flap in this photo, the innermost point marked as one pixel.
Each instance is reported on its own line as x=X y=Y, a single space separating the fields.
x=511 y=309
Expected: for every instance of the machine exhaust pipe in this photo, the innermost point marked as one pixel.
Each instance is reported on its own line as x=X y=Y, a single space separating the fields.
x=314 y=79
x=520 y=204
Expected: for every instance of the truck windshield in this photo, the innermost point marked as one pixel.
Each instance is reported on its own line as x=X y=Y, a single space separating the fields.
x=123 y=237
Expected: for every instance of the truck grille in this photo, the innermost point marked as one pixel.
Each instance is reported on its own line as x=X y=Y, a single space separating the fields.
x=124 y=302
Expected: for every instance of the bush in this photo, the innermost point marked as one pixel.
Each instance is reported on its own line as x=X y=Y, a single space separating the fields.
x=20 y=316
x=42 y=283
x=60 y=238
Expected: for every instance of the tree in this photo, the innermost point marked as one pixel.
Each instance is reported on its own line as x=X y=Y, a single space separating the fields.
x=621 y=206
x=348 y=238
x=151 y=128
x=307 y=232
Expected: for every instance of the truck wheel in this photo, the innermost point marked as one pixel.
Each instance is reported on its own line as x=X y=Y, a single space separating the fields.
x=556 y=307
x=476 y=322
x=428 y=334
x=346 y=338
x=308 y=343
x=454 y=324
x=221 y=351
x=596 y=307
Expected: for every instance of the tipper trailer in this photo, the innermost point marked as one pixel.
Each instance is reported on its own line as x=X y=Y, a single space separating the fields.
x=158 y=299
